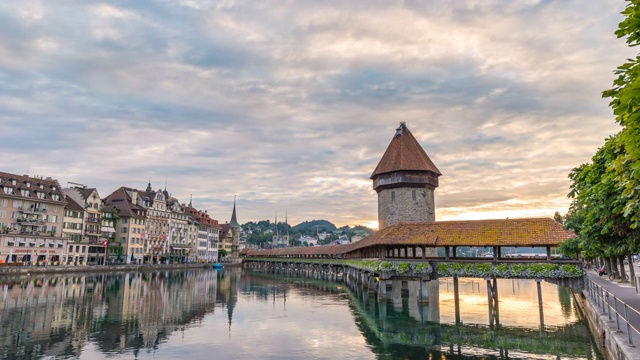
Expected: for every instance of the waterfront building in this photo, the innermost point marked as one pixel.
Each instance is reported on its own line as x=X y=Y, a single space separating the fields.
x=207 y=235
x=230 y=235
x=226 y=238
x=130 y=223
x=108 y=230
x=157 y=227
x=72 y=227
x=178 y=241
x=92 y=240
x=31 y=214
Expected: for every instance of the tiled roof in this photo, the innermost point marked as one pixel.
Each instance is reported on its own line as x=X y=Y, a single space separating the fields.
x=48 y=186
x=224 y=229
x=120 y=200
x=86 y=192
x=502 y=232
x=72 y=204
x=404 y=153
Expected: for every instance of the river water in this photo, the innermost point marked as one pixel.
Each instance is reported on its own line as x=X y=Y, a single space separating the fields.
x=240 y=314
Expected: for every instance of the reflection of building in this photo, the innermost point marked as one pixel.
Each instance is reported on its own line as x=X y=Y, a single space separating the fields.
x=55 y=316
x=31 y=212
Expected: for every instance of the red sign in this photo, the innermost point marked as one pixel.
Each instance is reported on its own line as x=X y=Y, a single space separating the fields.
x=104 y=242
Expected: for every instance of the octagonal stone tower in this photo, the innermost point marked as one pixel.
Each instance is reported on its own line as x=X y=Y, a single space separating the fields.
x=405 y=180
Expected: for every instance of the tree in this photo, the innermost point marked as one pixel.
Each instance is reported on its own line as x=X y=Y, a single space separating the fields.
x=597 y=213
x=625 y=102
x=221 y=253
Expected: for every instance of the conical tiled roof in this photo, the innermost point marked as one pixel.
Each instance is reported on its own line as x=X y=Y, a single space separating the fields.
x=404 y=153
x=234 y=222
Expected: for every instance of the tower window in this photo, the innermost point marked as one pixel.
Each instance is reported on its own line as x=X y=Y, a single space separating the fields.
x=413 y=195
x=393 y=196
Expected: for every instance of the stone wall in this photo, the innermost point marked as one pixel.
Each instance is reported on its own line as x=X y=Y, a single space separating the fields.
x=398 y=204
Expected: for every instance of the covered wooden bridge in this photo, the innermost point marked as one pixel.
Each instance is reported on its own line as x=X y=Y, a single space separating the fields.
x=421 y=241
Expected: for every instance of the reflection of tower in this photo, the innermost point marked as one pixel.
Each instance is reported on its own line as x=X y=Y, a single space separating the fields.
x=235 y=241
x=232 y=293
x=405 y=180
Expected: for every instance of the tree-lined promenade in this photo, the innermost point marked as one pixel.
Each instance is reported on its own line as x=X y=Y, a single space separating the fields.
x=605 y=211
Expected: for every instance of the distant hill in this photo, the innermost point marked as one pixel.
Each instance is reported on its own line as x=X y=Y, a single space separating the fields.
x=323 y=225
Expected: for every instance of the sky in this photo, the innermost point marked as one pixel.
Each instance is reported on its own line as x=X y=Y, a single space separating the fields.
x=289 y=105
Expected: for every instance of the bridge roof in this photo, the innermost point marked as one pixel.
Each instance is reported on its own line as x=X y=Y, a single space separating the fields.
x=502 y=232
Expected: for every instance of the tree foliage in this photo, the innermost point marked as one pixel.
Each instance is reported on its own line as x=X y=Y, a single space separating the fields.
x=625 y=102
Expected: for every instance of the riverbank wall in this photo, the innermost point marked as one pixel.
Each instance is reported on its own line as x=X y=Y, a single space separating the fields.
x=29 y=270
x=613 y=343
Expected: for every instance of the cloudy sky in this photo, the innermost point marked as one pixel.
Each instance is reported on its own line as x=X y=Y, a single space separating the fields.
x=289 y=105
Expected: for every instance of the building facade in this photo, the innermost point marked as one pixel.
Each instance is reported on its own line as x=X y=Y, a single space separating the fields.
x=130 y=224
x=31 y=217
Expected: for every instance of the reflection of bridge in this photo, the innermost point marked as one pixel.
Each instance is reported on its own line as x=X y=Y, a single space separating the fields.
x=400 y=326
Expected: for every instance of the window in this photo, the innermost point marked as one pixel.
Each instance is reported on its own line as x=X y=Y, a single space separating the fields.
x=28 y=184
x=7 y=190
x=56 y=208
x=24 y=192
x=40 y=195
x=17 y=204
x=413 y=195
x=125 y=220
x=3 y=214
x=40 y=186
x=14 y=182
x=4 y=202
x=55 y=197
x=124 y=229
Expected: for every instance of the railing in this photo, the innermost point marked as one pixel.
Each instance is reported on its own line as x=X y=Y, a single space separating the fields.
x=612 y=306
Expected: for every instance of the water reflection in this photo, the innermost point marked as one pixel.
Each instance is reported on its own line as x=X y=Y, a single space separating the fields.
x=234 y=314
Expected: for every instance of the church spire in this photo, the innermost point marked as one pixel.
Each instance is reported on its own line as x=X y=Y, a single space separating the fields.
x=234 y=221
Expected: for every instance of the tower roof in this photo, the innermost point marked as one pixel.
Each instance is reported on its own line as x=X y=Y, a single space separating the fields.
x=234 y=222
x=404 y=153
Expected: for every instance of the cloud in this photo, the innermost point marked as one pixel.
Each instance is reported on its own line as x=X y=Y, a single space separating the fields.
x=291 y=106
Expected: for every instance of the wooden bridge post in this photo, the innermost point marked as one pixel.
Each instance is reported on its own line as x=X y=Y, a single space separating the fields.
x=489 y=301
x=496 y=307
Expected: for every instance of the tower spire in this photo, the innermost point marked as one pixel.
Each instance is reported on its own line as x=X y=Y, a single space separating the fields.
x=234 y=221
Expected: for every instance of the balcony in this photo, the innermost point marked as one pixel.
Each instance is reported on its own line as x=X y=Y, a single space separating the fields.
x=94 y=219
x=93 y=232
x=32 y=210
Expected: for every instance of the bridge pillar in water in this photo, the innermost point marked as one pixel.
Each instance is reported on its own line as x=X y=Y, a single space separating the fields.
x=396 y=293
x=372 y=283
x=382 y=289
